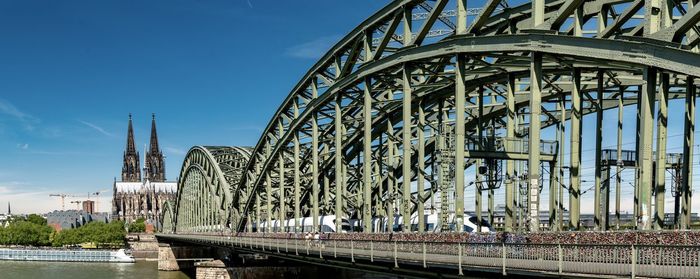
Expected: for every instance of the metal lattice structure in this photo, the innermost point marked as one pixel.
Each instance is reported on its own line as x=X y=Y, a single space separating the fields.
x=208 y=177
x=359 y=135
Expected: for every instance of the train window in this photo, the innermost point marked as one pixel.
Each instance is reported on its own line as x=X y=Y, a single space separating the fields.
x=431 y=226
x=326 y=228
x=468 y=228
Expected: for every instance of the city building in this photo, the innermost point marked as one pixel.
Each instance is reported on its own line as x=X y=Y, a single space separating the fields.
x=136 y=197
x=71 y=219
x=89 y=206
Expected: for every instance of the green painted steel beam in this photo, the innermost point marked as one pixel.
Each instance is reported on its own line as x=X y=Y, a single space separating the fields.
x=407 y=148
x=688 y=144
x=421 y=167
x=338 y=139
x=510 y=164
x=367 y=157
x=597 y=203
x=575 y=160
x=460 y=98
x=533 y=166
x=644 y=148
x=661 y=139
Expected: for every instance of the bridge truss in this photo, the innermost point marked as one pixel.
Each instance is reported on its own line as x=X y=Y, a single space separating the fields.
x=208 y=177
x=393 y=114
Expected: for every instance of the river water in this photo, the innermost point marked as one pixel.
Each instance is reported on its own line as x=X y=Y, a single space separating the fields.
x=61 y=270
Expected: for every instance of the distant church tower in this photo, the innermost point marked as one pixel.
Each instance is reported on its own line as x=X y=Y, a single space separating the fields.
x=131 y=171
x=155 y=166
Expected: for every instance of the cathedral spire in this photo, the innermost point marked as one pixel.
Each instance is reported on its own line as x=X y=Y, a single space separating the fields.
x=155 y=166
x=154 y=136
x=130 y=146
x=130 y=170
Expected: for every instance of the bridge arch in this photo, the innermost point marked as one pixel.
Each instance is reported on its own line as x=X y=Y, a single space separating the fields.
x=204 y=197
x=168 y=225
x=366 y=128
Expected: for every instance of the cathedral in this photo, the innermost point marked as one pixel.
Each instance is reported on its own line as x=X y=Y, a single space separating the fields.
x=142 y=197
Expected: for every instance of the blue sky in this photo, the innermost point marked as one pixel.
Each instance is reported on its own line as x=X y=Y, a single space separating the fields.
x=212 y=71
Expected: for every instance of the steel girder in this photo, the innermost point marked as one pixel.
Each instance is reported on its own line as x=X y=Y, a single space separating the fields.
x=316 y=148
x=168 y=225
x=208 y=177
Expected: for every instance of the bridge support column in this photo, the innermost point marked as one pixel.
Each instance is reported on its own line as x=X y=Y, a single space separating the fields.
x=533 y=167
x=338 y=165
x=297 y=178
x=268 y=208
x=478 y=176
x=258 y=220
x=460 y=95
x=282 y=208
x=367 y=158
x=688 y=143
x=560 y=162
x=390 y=170
x=644 y=147
x=605 y=207
x=619 y=168
x=315 y=189
x=575 y=169
x=598 y=219
x=407 y=149
x=421 y=167
x=661 y=138
x=510 y=164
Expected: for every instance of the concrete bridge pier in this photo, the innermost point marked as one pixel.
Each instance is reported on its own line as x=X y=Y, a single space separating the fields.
x=176 y=256
x=254 y=266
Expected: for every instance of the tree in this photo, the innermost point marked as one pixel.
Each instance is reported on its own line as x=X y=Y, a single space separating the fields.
x=138 y=226
x=25 y=233
x=94 y=232
x=36 y=219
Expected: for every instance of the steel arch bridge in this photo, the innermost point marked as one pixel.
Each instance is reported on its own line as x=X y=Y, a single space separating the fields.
x=393 y=115
x=208 y=177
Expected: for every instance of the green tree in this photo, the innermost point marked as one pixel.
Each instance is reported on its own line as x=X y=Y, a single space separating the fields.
x=138 y=226
x=36 y=219
x=93 y=232
x=25 y=233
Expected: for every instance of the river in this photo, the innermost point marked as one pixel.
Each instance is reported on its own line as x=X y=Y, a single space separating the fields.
x=61 y=270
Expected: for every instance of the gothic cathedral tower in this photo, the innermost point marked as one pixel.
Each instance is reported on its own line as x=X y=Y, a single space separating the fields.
x=155 y=166
x=131 y=171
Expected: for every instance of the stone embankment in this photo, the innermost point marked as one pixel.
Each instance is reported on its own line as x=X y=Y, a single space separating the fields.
x=144 y=247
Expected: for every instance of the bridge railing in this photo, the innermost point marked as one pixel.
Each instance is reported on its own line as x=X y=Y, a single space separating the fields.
x=619 y=260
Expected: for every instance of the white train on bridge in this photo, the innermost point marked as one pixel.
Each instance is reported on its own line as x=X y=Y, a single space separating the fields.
x=379 y=224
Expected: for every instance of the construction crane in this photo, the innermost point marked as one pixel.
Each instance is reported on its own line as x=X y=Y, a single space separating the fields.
x=63 y=199
x=97 y=198
x=77 y=204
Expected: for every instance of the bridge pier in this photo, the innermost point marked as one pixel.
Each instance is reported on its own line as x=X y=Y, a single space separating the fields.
x=175 y=257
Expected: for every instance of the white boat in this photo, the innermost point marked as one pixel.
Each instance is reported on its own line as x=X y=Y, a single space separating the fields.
x=57 y=255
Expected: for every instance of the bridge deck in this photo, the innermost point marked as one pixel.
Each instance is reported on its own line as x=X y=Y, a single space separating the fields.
x=544 y=260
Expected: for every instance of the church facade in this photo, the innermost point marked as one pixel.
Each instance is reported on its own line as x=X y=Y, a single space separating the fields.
x=142 y=197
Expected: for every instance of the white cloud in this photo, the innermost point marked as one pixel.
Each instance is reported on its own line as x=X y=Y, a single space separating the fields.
x=96 y=128
x=249 y=4
x=313 y=49
x=27 y=120
x=23 y=146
